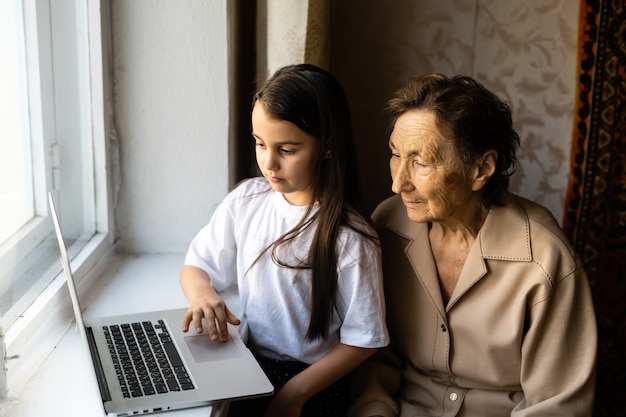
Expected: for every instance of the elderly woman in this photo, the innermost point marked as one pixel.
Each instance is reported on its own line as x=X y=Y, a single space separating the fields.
x=488 y=308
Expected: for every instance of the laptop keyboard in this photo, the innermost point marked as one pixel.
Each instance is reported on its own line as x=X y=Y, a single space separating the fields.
x=146 y=360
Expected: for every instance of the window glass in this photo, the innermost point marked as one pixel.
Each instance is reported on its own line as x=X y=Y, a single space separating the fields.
x=46 y=143
x=16 y=190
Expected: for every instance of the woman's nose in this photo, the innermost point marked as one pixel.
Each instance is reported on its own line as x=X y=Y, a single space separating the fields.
x=400 y=177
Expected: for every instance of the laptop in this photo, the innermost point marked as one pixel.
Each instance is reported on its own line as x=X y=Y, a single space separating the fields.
x=144 y=363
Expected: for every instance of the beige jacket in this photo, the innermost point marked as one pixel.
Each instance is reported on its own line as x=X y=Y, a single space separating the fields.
x=517 y=338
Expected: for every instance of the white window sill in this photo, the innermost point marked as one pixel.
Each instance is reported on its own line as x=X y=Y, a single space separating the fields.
x=63 y=385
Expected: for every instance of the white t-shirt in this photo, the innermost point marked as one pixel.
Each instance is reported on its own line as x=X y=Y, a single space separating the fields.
x=276 y=300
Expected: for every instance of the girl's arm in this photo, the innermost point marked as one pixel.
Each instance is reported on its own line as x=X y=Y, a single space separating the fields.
x=329 y=369
x=205 y=302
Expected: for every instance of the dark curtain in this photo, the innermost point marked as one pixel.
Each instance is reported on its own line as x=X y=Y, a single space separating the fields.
x=595 y=205
x=242 y=85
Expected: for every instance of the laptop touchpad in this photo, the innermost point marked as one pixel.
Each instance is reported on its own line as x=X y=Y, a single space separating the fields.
x=204 y=349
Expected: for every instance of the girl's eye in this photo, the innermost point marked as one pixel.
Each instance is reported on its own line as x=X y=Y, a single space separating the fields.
x=259 y=144
x=287 y=151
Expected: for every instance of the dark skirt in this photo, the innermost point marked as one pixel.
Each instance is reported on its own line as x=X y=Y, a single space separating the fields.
x=330 y=402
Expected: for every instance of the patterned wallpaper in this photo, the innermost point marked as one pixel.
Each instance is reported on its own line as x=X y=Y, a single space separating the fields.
x=524 y=50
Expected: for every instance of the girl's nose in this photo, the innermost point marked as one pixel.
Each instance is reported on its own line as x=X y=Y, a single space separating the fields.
x=270 y=160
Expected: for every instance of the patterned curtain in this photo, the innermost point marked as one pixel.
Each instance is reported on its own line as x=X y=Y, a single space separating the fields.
x=595 y=206
x=291 y=32
x=263 y=36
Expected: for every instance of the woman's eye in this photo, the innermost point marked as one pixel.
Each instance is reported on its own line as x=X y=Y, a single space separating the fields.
x=419 y=161
x=286 y=151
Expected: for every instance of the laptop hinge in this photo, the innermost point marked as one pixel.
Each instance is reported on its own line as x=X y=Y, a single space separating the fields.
x=102 y=382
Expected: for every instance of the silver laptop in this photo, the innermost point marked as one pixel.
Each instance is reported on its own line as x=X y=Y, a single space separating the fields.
x=144 y=363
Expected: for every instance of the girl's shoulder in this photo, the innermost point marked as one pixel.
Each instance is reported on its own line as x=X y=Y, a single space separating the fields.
x=359 y=229
x=357 y=243
x=251 y=192
x=250 y=187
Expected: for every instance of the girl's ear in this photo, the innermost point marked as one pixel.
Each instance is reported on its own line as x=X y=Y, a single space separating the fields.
x=485 y=168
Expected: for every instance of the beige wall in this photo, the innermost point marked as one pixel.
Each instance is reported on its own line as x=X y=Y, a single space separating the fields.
x=524 y=50
x=170 y=87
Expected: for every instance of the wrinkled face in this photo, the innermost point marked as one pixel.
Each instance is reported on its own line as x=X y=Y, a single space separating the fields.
x=286 y=155
x=425 y=170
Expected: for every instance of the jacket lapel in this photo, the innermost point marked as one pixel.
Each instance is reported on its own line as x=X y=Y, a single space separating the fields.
x=505 y=235
x=419 y=253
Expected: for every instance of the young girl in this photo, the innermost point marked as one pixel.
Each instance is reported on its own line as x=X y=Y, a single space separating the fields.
x=307 y=264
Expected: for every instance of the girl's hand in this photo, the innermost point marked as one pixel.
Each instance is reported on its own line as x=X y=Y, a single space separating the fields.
x=205 y=304
x=290 y=400
x=215 y=313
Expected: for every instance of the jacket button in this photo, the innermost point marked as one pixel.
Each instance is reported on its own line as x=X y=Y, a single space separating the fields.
x=454 y=396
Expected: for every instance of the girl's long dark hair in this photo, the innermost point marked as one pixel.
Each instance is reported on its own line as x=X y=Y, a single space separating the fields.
x=314 y=101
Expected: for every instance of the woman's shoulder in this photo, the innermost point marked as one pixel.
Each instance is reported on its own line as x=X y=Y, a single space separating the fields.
x=545 y=235
x=538 y=216
x=387 y=208
x=388 y=204
x=391 y=215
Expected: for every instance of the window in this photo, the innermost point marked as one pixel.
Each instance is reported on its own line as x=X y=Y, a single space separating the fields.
x=15 y=170
x=53 y=139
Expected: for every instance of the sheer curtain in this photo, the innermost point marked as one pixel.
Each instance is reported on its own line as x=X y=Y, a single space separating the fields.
x=291 y=32
x=264 y=36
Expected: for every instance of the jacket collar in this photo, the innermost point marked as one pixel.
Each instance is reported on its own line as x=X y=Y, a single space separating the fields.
x=505 y=235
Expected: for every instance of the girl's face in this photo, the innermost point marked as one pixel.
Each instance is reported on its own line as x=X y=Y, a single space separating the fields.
x=425 y=171
x=285 y=154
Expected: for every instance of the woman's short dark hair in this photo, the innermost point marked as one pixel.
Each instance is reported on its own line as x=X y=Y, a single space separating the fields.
x=471 y=116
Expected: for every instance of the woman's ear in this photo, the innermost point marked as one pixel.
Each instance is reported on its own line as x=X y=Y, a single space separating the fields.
x=485 y=168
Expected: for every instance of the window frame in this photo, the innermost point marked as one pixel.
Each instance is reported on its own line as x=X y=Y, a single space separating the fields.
x=32 y=335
